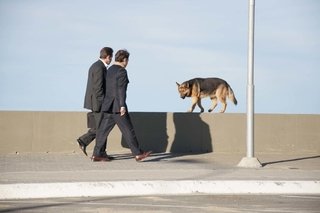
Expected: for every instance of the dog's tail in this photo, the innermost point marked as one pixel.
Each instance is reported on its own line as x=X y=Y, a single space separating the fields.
x=231 y=95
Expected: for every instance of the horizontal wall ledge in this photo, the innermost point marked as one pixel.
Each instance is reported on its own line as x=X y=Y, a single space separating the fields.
x=163 y=132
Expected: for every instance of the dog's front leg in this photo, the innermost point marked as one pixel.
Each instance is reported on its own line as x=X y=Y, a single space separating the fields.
x=199 y=105
x=194 y=101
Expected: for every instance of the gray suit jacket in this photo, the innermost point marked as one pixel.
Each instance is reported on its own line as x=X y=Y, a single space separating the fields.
x=116 y=89
x=95 y=86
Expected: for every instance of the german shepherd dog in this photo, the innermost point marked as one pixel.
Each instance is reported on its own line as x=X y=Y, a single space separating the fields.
x=215 y=88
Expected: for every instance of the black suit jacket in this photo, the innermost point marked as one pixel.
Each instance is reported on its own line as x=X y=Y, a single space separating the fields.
x=95 y=86
x=116 y=82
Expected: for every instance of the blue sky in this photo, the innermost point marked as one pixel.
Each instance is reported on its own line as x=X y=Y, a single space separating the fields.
x=48 y=46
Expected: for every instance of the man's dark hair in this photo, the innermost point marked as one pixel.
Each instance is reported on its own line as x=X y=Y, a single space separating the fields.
x=121 y=55
x=106 y=51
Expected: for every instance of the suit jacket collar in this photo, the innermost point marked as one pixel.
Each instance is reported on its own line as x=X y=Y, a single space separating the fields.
x=106 y=65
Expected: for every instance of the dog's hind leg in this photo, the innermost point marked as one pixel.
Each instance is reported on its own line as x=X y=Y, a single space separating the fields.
x=224 y=104
x=199 y=105
x=214 y=104
x=222 y=93
x=194 y=101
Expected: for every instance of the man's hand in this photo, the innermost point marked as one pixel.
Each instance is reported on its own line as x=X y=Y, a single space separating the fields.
x=122 y=111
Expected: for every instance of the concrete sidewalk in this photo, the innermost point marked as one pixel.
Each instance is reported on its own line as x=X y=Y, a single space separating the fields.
x=73 y=175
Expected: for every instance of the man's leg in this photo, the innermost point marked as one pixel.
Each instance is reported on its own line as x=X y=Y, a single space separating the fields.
x=125 y=125
x=88 y=137
x=92 y=122
x=105 y=126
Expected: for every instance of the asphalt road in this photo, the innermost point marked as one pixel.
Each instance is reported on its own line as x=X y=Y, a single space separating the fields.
x=172 y=204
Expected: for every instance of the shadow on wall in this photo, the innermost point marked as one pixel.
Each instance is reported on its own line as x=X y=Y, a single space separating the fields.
x=151 y=131
x=192 y=134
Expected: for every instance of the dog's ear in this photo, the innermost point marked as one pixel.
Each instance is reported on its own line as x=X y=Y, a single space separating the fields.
x=178 y=84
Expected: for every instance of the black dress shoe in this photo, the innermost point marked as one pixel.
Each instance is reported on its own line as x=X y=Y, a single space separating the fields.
x=82 y=146
x=96 y=158
x=143 y=156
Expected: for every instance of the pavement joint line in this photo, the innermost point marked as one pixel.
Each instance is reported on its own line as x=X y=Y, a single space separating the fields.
x=156 y=187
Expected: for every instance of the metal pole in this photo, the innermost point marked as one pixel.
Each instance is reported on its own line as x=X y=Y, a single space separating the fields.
x=250 y=161
x=250 y=87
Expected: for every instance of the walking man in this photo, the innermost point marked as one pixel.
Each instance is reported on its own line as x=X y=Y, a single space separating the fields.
x=115 y=109
x=94 y=96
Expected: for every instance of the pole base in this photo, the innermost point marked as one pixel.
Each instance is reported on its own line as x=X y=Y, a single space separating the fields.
x=249 y=162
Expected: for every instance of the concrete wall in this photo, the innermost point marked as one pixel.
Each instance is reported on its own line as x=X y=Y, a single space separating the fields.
x=160 y=132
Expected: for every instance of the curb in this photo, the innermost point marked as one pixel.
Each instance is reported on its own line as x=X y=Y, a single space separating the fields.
x=142 y=188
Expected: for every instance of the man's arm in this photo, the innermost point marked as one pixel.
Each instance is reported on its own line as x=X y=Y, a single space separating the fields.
x=122 y=89
x=98 y=90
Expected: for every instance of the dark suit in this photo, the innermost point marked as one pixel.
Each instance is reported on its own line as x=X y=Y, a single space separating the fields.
x=94 y=98
x=115 y=98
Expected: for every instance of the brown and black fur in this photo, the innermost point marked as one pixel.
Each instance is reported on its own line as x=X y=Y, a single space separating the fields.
x=215 y=88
